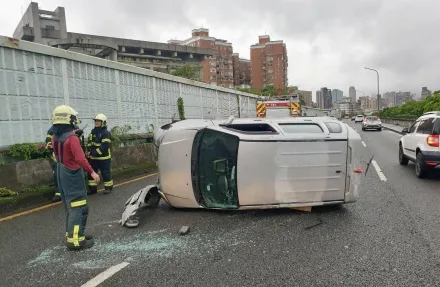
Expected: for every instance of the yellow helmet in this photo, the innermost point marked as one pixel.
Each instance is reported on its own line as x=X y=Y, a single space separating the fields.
x=64 y=115
x=102 y=118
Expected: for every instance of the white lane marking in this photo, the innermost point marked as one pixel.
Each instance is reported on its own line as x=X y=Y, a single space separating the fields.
x=394 y=133
x=105 y=275
x=379 y=171
x=363 y=143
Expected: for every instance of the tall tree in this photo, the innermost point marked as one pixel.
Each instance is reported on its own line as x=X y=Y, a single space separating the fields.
x=269 y=91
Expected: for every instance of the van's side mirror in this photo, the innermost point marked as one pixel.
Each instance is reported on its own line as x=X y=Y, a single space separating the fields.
x=405 y=130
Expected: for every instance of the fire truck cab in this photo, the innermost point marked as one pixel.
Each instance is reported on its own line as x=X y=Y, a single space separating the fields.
x=279 y=107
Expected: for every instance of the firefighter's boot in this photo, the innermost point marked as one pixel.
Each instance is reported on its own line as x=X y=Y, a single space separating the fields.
x=92 y=190
x=86 y=244
x=108 y=189
x=56 y=197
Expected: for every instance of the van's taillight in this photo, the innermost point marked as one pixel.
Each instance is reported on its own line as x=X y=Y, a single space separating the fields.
x=433 y=140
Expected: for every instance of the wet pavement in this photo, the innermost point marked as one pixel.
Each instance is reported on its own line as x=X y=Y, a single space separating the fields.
x=390 y=237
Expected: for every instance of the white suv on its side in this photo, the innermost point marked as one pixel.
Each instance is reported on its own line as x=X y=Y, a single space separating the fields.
x=359 y=119
x=420 y=144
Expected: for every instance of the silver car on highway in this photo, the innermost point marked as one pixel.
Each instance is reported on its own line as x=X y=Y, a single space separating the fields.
x=253 y=164
x=372 y=123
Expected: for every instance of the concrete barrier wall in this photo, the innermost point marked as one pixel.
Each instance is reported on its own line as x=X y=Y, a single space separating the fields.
x=23 y=174
x=398 y=122
x=35 y=78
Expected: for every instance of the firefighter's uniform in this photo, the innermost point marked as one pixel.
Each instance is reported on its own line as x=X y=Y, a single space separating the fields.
x=100 y=158
x=50 y=132
x=71 y=183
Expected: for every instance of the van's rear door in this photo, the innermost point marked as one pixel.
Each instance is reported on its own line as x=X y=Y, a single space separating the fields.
x=305 y=165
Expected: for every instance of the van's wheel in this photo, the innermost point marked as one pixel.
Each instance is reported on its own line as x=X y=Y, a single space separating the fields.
x=403 y=160
x=363 y=129
x=380 y=129
x=421 y=168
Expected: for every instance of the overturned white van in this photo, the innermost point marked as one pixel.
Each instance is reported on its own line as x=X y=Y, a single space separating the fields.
x=253 y=164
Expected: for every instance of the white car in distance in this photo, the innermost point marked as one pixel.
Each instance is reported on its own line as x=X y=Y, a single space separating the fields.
x=359 y=119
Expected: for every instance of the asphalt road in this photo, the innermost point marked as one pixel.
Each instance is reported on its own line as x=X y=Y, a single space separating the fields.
x=390 y=237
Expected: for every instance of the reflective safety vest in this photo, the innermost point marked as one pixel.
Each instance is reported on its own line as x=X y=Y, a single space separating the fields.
x=98 y=144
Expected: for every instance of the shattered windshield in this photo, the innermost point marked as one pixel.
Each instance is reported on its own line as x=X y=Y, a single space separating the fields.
x=216 y=170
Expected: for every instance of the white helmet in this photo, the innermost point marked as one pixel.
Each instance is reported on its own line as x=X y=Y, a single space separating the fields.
x=64 y=115
x=102 y=118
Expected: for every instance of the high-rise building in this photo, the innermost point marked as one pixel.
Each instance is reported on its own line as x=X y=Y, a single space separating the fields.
x=217 y=69
x=425 y=92
x=402 y=97
x=324 y=98
x=319 y=99
x=337 y=95
x=268 y=63
x=242 y=71
x=352 y=94
x=389 y=99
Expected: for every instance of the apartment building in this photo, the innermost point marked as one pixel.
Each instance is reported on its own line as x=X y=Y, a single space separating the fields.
x=268 y=63
x=217 y=69
x=337 y=95
x=306 y=97
x=242 y=71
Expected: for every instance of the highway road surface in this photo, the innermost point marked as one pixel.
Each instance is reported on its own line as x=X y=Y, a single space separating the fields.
x=390 y=237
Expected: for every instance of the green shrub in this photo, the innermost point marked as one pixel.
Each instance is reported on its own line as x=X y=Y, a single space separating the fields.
x=37 y=189
x=27 y=151
x=120 y=136
x=181 y=108
x=413 y=109
x=5 y=192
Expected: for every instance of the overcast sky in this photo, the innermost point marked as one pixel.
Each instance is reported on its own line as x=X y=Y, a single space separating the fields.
x=328 y=41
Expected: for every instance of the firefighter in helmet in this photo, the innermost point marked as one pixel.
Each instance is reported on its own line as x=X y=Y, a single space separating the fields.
x=99 y=154
x=70 y=163
x=50 y=132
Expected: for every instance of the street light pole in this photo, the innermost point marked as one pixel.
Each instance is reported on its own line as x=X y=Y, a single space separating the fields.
x=361 y=92
x=378 y=100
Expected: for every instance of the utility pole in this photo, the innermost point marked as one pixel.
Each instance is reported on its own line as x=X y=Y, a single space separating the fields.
x=378 y=95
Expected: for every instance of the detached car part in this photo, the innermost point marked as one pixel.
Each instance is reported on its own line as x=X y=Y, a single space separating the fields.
x=148 y=196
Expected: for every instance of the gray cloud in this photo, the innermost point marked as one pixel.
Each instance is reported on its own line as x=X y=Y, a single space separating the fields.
x=328 y=42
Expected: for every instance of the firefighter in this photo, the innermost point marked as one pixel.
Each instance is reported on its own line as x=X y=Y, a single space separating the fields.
x=99 y=154
x=70 y=163
x=50 y=132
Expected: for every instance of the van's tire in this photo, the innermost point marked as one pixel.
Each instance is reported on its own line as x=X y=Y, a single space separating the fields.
x=420 y=167
x=403 y=160
x=363 y=129
x=379 y=129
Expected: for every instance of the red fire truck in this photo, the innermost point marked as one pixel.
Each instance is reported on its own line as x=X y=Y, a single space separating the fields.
x=279 y=107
